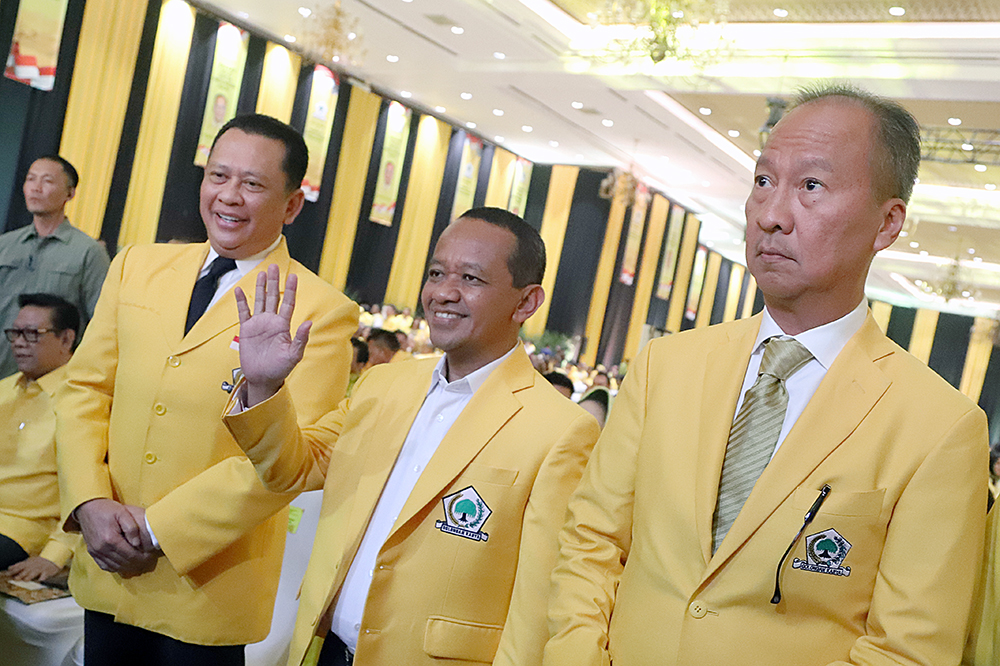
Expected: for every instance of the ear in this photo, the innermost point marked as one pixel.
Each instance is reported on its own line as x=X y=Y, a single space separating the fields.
x=294 y=205
x=67 y=338
x=72 y=193
x=893 y=216
x=532 y=298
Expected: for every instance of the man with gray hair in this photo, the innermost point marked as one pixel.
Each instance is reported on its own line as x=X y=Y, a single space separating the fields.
x=826 y=505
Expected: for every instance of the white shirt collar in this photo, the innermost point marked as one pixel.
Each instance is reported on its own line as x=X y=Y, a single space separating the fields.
x=247 y=264
x=472 y=381
x=823 y=342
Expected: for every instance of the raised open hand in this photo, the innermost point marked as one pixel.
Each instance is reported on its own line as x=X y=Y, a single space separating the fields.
x=268 y=352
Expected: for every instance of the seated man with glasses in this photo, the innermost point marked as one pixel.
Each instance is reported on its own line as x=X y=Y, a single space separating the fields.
x=32 y=543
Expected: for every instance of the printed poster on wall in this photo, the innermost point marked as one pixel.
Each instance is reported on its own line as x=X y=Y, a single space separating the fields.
x=468 y=176
x=670 y=251
x=697 y=282
x=223 y=86
x=519 y=188
x=636 y=224
x=319 y=125
x=34 y=49
x=397 y=131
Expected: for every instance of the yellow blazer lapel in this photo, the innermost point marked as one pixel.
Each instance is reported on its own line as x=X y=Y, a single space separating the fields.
x=178 y=284
x=490 y=408
x=720 y=392
x=844 y=398
x=222 y=316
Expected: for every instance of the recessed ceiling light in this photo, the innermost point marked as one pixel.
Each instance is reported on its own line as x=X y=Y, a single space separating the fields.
x=980 y=168
x=392 y=58
x=781 y=13
x=407 y=0
x=305 y=12
x=336 y=58
x=498 y=139
x=290 y=39
x=440 y=109
x=554 y=144
x=924 y=253
x=527 y=128
x=351 y=36
x=405 y=94
x=457 y=30
x=955 y=122
x=904 y=234
x=466 y=95
x=967 y=146
x=914 y=244
x=577 y=105
x=990 y=186
x=497 y=112
x=972 y=250
x=705 y=111
x=243 y=15
x=678 y=14
x=897 y=11
x=734 y=133
x=952 y=228
x=967 y=294
x=977 y=259
x=607 y=122
x=470 y=125
x=498 y=55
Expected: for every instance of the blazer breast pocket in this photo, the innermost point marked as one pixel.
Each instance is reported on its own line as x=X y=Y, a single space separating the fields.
x=449 y=638
x=498 y=476
x=866 y=503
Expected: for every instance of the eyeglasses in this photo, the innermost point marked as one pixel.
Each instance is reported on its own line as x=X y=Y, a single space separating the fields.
x=30 y=335
x=810 y=514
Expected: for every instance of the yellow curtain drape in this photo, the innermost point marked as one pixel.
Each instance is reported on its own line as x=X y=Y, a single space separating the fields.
x=922 y=338
x=98 y=98
x=881 y=312
x=349 y=187
x=977 y=357
x=733 y=295
x=278 y=82
x=604 y=275
x=685 y=263
x=417 y=221
x=159 y=121
x=501 y=178
x=708 y=289
x=644 y=282
x=750 y=297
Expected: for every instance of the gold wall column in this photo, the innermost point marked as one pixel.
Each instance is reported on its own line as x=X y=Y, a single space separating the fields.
x=881 y=312
x=977 y=358
x=416 y=224
x=685 y=262
x=98 y=98
x=647 y=275
x=736 y=274
x=922 y=338
x=751 y=296
x=708 y=288
x=278 y=81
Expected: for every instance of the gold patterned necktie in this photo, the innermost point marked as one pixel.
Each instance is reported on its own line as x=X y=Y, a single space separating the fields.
x=755 y=431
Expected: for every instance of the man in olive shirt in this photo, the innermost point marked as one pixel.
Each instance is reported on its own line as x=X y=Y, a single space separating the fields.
x=49 y=255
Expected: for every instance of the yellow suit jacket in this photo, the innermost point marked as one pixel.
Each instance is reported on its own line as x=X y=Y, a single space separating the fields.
x=434 y=595
x=904 y=453
x=139 y=422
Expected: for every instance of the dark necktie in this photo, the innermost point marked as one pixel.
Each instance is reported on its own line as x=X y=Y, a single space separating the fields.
x=755 y=431
x=204 y=289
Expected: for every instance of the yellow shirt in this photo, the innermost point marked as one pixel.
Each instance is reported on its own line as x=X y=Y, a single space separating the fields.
x=29 y=491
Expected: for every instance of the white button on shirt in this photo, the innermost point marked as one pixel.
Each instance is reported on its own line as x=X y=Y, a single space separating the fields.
x=823 y=342
x=441 y=408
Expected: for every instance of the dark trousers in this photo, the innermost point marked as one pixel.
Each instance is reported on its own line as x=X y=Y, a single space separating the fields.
x=10 y=552
x=110 y=643
x=334 y=652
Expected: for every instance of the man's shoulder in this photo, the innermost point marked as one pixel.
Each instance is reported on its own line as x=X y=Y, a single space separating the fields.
x=911 y=376
x=14 y=235
x=314 y=287
x=694 y=342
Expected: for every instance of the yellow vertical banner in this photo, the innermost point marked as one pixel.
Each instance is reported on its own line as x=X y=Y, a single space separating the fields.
x=647 y=275
x=159 y=121
x=922 y=337
x=708 y=290
x=633 y=240
x=697 y=281
x=501 y=177
x=604 y=274
x=224 y=85
x=685 y=259
x=555 y=217
x=468 y=175
x=736 y=273
x=666 y=282
x=519 y=187
x=98 y=98
x=34 y=49
x=318 y=127
x=881 y=312
x=977 y=357
x=751 y=296
x=397 y=131
x=278 y=82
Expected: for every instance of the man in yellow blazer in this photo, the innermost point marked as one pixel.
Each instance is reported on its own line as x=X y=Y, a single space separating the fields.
x=445 y=480
x=877 y=484
x=184 y=543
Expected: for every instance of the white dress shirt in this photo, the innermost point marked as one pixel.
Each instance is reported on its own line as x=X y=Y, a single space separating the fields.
x=444 y=402
x=823 y=342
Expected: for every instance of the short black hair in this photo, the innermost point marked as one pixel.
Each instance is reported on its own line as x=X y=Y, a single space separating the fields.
x=527 y=262
x=559 y=379
x=71 y=175
x=897 y=161
x=296 y=153
x=385 y=338
x=65 y=315
x=361 y=349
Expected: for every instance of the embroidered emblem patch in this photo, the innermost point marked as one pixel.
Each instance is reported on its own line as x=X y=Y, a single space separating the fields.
x=825 y=553
x=465 y=513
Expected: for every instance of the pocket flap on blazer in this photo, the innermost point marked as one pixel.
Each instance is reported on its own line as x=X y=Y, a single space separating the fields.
x=868 y=503
x=495 y=475
x=447 y=638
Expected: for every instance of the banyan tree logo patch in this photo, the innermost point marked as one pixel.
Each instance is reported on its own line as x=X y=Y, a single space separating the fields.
x=825 y=553
x=465 y=513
